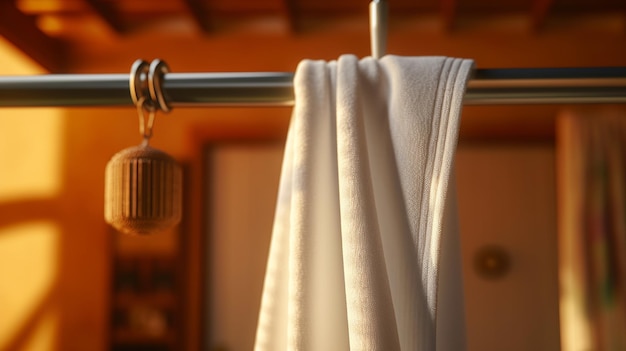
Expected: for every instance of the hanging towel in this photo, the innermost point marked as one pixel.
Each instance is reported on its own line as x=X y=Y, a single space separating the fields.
x=365 y=250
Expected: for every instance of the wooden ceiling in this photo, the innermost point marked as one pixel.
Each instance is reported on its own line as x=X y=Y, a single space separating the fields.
x=46 y=29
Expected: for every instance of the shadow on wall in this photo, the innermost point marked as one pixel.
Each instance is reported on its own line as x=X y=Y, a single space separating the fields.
x=30 y=230
x=52 y=277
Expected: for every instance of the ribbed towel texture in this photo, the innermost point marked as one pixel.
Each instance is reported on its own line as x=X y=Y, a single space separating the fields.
x=365 y=249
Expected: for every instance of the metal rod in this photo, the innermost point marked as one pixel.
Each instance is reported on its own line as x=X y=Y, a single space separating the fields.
x=486 y=87
x=379 y=15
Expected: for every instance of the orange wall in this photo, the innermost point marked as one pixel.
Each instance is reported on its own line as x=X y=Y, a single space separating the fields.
x=31 y=230
x=507 y=199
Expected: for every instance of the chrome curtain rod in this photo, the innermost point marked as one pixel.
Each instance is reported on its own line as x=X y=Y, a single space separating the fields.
x=486 y=87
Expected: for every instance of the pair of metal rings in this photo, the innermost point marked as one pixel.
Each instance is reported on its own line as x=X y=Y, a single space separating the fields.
x=146 y=85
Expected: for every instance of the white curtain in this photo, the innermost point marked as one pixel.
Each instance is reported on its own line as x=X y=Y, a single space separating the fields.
x=365 y=249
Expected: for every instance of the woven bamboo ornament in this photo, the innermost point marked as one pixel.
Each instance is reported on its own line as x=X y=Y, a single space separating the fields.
x=143 y=185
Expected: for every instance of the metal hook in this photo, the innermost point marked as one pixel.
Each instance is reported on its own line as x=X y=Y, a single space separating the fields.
x=378 y=27
x=145 y=128
x=142 y=74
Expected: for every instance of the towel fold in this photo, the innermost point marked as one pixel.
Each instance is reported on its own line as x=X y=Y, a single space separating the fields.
x=365 y=250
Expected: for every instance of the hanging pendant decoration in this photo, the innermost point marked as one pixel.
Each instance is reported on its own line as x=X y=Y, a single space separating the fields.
x=143 y=185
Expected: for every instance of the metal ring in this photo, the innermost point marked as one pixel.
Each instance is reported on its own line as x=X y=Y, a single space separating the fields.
x=137 y=82
x=158 y=69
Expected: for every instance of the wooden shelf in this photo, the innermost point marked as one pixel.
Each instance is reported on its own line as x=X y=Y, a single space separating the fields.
x=146 y=303
x=130 y=336
x=162 y=299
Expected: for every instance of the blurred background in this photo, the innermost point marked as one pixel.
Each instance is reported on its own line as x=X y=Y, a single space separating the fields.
x=69 y=282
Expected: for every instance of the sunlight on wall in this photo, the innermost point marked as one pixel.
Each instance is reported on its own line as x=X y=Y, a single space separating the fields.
x=28 y=266
x=30 y=140
x=30 y=169
x=30 y=150
x=43 y=337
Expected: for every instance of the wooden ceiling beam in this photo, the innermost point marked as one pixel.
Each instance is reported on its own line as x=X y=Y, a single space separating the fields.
x=448 y=14
x=22 y=31
x=539 y=13
x=623 y=10
x=290 y=11
x=109 y=14
x=200 y=13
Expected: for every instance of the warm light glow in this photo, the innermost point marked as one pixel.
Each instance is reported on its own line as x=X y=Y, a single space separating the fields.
x=86 y=27
x=30 y=140
x=43 y=336
x=28 y=268
x=30 y=153
x=51 y=23
x=50 y=5
x=30 y=169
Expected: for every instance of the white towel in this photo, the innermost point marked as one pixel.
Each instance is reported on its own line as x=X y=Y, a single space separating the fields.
x=365 y=238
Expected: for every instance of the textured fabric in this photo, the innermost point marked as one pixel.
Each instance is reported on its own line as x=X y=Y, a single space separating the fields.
x=592 y=228
x=355 y=260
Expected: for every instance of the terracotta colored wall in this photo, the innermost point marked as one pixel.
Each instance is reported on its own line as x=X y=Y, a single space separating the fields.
x=31 y=230
x=507 y=199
